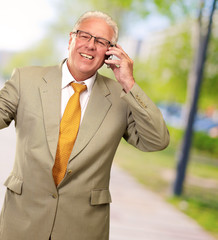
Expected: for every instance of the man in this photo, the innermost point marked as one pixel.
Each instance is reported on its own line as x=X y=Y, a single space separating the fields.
x=39 y=204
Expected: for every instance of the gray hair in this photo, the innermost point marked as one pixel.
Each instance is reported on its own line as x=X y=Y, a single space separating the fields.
x=101 y=15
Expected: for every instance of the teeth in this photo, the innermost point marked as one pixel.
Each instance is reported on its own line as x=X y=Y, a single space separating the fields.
x=86 y=56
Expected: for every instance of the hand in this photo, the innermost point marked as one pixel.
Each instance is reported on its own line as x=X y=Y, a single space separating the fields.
x=122 y=67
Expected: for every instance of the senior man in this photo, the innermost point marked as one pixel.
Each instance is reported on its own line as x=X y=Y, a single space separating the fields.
x=69 y=121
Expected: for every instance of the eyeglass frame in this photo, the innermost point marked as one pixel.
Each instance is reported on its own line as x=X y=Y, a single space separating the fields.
x=110 y=44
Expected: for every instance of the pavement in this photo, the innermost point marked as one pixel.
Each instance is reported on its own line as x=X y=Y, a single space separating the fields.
x=136 y=213
x=139 y=214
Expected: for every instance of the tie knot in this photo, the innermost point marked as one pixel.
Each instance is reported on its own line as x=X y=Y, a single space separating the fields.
x=78 y=87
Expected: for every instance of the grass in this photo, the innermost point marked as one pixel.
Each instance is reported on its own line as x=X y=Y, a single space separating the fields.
x=204 y=213
x=157 y=172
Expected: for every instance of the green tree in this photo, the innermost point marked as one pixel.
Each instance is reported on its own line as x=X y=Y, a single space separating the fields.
x=43 y=53
x=164 y=74
x=123 y=11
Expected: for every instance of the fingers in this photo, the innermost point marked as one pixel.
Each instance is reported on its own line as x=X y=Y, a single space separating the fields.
x=113 y=62
x=121 y=50
x=122 y=66
x=117 y=51
x=121 y=56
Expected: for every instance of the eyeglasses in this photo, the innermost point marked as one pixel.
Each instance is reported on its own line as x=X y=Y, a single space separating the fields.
x=99 y=41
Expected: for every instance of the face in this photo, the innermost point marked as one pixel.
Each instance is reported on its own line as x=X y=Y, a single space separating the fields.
x=85 y=58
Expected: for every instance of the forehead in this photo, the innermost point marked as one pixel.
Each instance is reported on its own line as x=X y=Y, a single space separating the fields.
x=97 y=27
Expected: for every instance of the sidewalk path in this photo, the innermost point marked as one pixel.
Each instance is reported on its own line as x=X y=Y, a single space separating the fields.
x=7 y=153
x=138 y=214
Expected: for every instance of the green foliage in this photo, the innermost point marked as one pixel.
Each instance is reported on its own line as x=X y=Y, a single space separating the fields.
x=175 y=136
x=164 y=74
x=173 y=9
x=43 y=54
x=209 y=86
x=202 y=142
x=205 y=143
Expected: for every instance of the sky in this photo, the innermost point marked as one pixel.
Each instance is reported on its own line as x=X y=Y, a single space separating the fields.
x=23 y=22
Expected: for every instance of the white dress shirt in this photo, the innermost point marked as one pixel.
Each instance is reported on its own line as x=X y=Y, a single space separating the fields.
x=67 y=90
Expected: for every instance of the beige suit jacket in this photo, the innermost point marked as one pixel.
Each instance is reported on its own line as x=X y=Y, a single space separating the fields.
x=78 y=209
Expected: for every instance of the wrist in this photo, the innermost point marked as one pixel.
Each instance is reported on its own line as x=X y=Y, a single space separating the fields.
x=128 y=85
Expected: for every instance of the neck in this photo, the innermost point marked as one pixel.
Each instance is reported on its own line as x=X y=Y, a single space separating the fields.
x=79 y=77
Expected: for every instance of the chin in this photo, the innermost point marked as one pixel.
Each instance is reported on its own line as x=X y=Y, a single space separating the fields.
x=87 y=73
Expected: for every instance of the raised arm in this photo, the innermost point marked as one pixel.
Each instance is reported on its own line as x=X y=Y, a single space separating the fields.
x=146 y=127
x=9 y=98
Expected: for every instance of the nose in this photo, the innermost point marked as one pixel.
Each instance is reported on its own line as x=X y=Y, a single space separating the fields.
x=91 y=43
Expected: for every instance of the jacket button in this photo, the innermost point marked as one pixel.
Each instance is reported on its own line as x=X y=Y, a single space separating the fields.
x=54 y=196
x=69 y=172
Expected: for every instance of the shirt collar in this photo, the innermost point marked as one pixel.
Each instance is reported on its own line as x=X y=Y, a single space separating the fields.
x=67 y=78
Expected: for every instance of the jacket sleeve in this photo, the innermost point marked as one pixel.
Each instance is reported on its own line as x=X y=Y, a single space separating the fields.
x=9 y=98
x=146 y=129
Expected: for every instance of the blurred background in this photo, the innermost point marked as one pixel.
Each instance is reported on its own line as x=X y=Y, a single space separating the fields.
x=174 y=45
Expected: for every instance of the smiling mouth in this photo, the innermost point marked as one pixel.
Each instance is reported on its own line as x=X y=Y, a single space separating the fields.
x=86 y=56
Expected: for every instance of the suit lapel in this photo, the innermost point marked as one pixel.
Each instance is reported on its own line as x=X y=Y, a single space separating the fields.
x=51 y=102
x=96 y=111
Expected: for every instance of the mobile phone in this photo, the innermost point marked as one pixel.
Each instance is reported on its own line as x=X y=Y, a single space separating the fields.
x=109 y=57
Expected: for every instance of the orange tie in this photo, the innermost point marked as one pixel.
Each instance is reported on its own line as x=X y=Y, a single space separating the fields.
x=68 y=131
